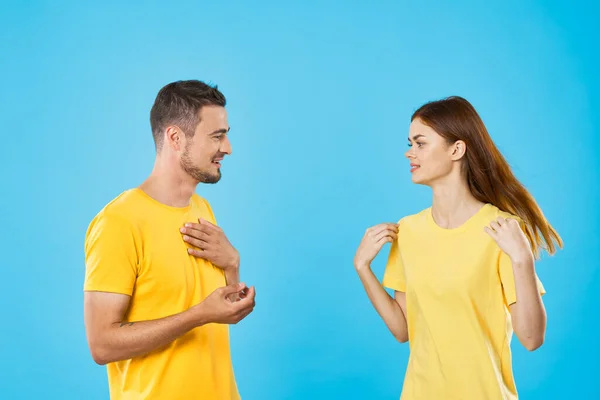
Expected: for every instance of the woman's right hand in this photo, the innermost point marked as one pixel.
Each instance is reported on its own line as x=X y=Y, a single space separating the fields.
x=372 y=242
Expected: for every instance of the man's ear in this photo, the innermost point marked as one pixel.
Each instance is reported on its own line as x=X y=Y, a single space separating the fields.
x=173 y=138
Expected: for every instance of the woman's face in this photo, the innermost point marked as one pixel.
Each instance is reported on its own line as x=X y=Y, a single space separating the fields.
x=431 y=157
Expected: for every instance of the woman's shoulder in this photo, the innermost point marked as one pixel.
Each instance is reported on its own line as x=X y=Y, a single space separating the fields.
x=495 y=213
x=414 y=219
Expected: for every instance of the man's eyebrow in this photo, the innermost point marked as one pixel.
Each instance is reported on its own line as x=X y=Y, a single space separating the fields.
x=221 y=131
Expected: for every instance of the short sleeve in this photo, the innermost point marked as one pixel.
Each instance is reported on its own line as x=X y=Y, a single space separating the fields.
x=393 y=277
x=111 y=262
x=507 y=278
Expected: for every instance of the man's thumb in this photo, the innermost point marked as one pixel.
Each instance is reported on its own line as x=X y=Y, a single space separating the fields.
x=233 y=288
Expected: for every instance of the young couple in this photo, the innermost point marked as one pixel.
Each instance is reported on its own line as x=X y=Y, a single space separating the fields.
x=162 y=280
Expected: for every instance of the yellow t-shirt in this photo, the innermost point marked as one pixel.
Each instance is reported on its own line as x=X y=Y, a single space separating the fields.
x=134 y=247
x=458 y=286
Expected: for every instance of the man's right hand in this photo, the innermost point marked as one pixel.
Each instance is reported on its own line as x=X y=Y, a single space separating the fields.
x=218 y=308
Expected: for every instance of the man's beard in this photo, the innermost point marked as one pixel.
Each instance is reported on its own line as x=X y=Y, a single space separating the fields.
x=195 y=172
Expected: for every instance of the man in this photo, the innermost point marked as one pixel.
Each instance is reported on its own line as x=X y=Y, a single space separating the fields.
x=162 y=280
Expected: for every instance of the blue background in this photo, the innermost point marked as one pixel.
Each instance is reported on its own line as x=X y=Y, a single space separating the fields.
x=320 y=95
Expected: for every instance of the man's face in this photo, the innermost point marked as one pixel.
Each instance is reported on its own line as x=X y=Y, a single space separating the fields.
x=203 y=153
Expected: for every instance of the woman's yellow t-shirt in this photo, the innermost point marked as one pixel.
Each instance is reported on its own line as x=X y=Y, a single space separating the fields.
x=458 y=286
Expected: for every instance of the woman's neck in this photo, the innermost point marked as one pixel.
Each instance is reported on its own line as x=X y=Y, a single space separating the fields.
x=453 y=203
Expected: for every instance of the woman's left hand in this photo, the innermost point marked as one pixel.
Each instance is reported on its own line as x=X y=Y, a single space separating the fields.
x=510 y=238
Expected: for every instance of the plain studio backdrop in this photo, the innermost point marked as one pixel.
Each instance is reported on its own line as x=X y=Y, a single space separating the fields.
x=319 y=100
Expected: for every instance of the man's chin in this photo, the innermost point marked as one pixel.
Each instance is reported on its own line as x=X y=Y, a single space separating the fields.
x=205 y=177
x=212 y=178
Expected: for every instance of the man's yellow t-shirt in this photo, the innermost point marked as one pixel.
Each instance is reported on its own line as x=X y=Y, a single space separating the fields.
x=458 y=286
x=134 y=247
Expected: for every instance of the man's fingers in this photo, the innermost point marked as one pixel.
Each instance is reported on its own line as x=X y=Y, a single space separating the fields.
x=249 y=298
x=199 y=253
x=250 y=293
x=196 y=230
x=205 y=254
x=247 y=311
x=237 y=296
x=243 y=314
x=195 y=242
x=233 y=288
x=234 y=297
x=207 y=225
x=245 y=306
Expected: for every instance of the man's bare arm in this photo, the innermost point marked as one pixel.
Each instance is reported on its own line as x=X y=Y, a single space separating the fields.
x=112 y=339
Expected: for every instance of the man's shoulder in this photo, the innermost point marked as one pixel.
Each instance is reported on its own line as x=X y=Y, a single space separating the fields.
x=123 y=203
x=120 y=210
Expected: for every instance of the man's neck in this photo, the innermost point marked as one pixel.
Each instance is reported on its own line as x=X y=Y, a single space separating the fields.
x=171 y=187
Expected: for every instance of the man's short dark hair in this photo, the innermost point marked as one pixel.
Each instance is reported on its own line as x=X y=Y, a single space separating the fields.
x=179 y=103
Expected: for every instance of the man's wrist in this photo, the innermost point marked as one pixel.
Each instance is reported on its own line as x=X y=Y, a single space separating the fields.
x=232 y=274
x=235 y=263
x=198 y=316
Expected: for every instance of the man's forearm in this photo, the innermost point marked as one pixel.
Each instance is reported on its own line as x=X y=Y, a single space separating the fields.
x=125 y=340
x=232 y=275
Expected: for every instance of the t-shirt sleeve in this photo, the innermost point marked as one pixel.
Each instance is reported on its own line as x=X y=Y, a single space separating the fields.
x=111 y=262
x=393 y=276
x=507 y=277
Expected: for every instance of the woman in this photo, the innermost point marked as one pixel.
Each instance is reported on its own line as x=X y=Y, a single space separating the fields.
x=462 y=270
